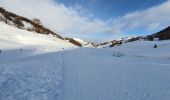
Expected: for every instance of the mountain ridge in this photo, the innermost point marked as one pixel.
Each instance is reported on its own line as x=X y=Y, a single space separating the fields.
x=34 y=25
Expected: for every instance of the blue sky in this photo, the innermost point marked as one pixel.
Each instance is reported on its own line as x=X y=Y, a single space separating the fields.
x=96 y=20
x=105 y=9
x=110 y=9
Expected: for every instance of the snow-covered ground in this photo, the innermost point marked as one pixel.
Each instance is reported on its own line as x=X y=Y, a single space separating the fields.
x=29 y=68
x=112 y=74
x=43 y=71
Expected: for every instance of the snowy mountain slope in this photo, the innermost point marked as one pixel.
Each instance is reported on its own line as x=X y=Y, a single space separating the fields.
x=11 y=38
x=32 y=25
x=21 y=22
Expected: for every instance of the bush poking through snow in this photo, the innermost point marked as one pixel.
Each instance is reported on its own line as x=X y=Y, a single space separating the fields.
x=119 y=43
x=37 y=21
x=155 y=46
x=118 y=54
x=18 y=22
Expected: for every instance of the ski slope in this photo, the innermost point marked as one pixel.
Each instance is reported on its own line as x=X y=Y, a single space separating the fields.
x=42 y=70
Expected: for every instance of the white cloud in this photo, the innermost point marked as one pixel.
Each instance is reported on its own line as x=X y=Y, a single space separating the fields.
x=68 y=20
x=56 y=16
x=151 y=19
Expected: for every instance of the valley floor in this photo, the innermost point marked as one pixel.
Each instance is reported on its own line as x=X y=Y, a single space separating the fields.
x=133 y=71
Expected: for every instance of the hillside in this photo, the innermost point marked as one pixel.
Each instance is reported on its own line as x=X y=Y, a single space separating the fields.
x=13 y=38
x=163 y=34
x=33 y=25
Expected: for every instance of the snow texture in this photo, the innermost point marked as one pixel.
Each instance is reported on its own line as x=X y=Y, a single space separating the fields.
x=35 y=67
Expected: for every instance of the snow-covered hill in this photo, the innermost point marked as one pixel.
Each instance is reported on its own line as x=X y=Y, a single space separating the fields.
x=13 y=38
x=32 y=25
